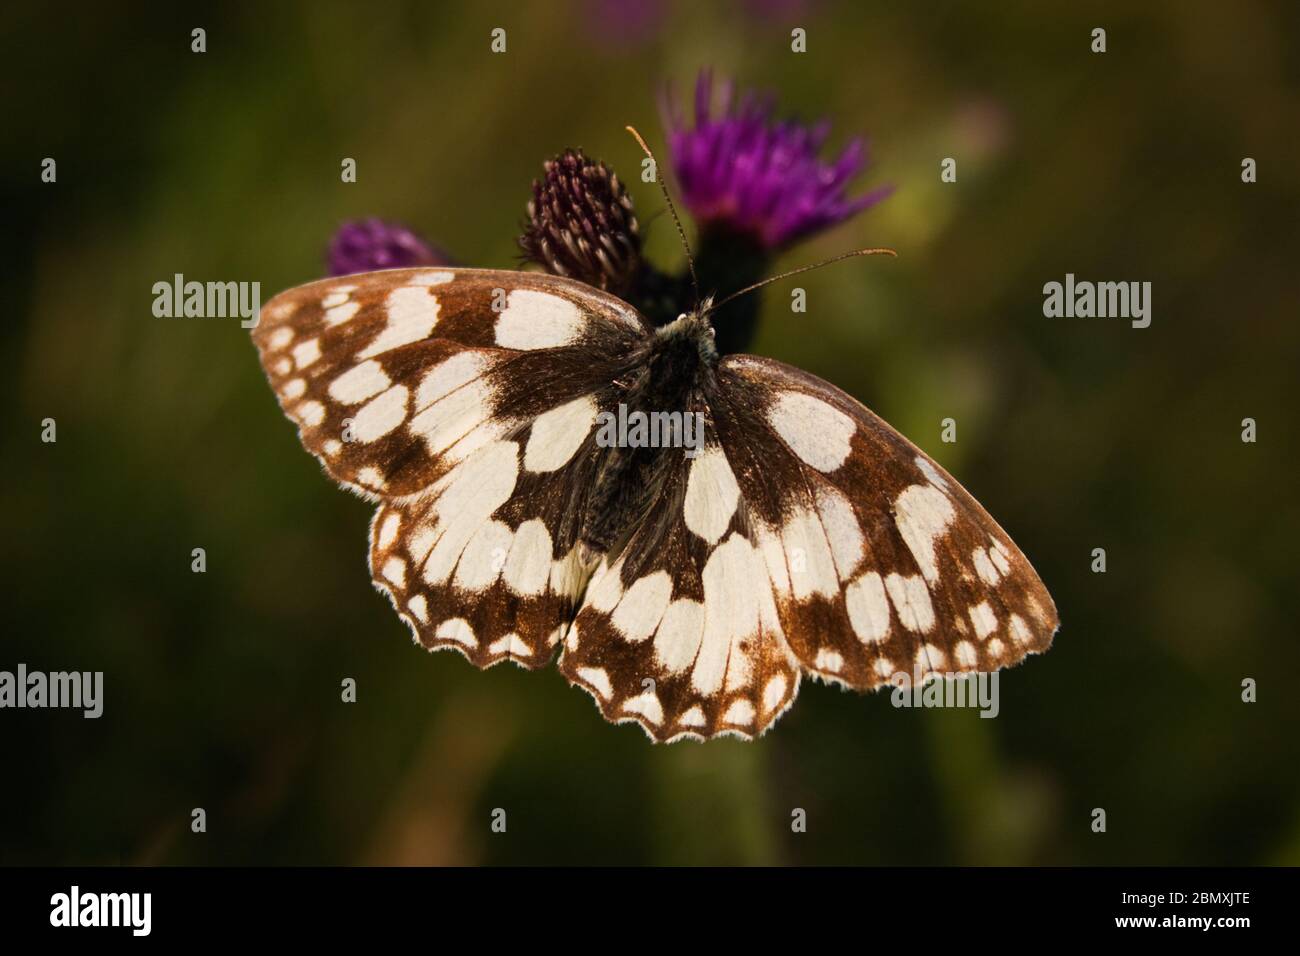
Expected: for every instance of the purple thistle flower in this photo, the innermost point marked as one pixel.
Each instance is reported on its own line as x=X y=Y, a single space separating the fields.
x=371 y=244
x=744 y=170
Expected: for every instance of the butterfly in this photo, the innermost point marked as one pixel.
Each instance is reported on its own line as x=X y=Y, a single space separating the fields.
x=687 y=589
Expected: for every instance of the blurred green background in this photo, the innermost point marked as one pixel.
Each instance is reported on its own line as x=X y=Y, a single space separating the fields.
x=223 y=689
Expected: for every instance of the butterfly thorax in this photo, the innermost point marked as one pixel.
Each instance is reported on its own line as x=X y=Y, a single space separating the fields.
x=688 y=344
x=670 y=375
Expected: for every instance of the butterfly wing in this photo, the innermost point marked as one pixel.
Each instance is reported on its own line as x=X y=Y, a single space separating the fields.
x=882 y=563
x=806 y=535
x=463 y=401
x=809 y=536
x=366 y=364
x=678 y=630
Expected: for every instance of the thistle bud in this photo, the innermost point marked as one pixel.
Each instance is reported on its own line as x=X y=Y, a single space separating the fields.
x=581 y=224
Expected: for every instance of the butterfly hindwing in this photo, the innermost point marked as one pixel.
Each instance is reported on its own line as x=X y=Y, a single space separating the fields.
x=679 y=631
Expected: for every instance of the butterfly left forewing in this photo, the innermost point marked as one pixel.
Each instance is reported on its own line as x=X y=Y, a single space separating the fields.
x=393 y=377
x=882 y=563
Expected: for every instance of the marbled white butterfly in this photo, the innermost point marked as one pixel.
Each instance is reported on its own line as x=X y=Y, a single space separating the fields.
x=688 y=593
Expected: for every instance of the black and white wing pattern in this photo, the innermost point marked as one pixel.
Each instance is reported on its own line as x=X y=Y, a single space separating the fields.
x=463 y=402
x=689 y=593
x=808 y=537
x=680 y=630
x=890 y=566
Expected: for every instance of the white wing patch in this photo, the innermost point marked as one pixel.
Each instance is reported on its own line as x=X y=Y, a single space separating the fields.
x=598 y=679
x=305 y=353
x=648 y=706
x=733 y=578
x=436 y=277
x=380 y=415
x=359 y=383
x=558 y=433
x=843 y=532
x=816 y=432
x=511 y=644
x=984 y=566
x=677 y=640
x=528 y=566
x=931 y=473
x=711 y=495
x=454 y=416
x=923 y=514
x=868 y=608
x=412 y=314
x=470 y=493
x=311 y=413
x=537 y=320
x=606 y=588
x=338 y=314
x=457 y=629
x=642 y=606
x=808 y=553
x=911 y=601
x=985 y=621
x=449 y=375
x=481 y=562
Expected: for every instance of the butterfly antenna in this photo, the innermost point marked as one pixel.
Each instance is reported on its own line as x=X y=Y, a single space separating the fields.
x=690 y=259
x=795 y=272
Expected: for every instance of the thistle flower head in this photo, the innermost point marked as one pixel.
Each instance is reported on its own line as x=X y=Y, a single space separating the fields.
x=581 y=223
x=371 y=244
x=744 y=170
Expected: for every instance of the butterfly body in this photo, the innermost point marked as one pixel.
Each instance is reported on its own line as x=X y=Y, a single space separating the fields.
x=669 y=374
x=688 y=590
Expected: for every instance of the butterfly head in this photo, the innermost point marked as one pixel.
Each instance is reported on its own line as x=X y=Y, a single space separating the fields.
x=690 y=339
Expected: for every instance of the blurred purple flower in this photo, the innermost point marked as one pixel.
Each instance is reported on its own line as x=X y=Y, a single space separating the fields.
x=777 y=9
x=624 y=23
x=744 y=170
x=371 y=244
